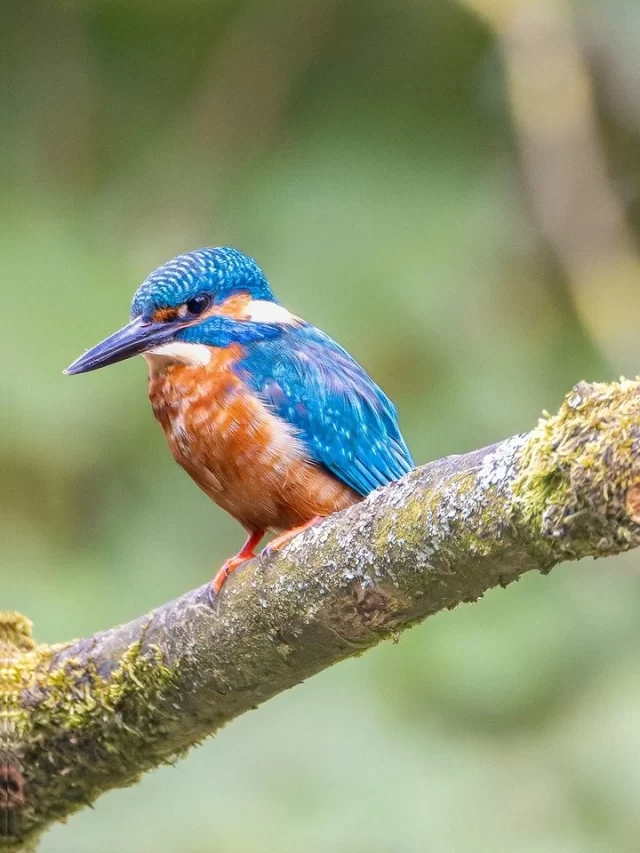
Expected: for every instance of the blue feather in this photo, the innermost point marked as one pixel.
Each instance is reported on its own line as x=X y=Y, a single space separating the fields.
x=344 y=419
x=217 y=271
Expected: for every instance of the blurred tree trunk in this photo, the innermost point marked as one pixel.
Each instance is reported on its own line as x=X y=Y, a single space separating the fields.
x=565 y=168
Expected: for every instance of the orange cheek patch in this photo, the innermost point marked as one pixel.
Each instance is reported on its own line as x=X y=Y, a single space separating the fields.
x=162 y=315
x=235 y=306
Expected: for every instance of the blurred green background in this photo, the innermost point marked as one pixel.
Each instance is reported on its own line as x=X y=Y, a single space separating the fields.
x=451 y=191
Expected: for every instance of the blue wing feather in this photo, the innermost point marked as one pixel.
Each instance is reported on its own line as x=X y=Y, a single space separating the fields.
x=345 y=420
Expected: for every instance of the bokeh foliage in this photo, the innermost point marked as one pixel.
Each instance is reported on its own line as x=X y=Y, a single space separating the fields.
x=365 y=153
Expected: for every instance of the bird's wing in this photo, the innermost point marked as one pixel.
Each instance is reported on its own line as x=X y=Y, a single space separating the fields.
x=346 y=422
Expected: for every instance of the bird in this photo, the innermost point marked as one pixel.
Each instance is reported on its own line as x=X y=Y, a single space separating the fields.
x=271 y=418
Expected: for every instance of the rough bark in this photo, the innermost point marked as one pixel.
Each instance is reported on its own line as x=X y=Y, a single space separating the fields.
x=79 y=719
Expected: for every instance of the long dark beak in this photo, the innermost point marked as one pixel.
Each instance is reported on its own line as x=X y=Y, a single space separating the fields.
x=136 y=337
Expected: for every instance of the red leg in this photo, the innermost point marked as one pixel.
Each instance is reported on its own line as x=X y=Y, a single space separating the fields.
x=245 y=553
x=284 y=538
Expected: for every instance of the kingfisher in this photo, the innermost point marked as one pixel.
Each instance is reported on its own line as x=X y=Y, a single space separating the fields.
x=272 y=419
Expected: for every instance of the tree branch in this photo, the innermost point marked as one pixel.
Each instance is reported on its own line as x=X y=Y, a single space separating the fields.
x=92 y=715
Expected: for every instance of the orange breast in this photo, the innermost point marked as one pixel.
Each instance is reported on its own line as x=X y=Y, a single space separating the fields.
x=245 y=458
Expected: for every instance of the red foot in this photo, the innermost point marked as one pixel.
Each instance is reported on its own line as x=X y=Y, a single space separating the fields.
x=284 y=538
x=245 y=553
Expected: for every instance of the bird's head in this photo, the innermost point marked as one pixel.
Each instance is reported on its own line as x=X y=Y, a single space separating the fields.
x=206 y=297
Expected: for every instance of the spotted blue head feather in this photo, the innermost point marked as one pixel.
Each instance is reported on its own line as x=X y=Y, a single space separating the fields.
x=218 y=272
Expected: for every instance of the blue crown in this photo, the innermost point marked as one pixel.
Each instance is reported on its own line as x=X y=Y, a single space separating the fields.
x=219 y=272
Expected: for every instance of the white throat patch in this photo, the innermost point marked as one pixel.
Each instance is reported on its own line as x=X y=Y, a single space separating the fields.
x=198 y=355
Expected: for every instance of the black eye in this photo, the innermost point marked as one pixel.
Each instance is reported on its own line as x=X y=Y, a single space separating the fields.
x=198 y=305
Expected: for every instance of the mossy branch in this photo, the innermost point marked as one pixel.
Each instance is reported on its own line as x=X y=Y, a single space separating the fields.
x=93 y=715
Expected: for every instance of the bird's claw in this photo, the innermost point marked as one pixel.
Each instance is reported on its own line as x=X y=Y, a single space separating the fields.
x=247 y=553
x=212 y=597
x=264 y=555
x=283 y=539
x=221 y=576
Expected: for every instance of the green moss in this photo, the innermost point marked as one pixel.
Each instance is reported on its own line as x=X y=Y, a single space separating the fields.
x=122 y=714
x=57 y=711
x=20 y=657
x=77 y=696
x=576 y=468
x=15 y=632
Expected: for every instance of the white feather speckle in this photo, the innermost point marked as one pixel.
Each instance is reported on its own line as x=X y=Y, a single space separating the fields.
x=263 y=311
